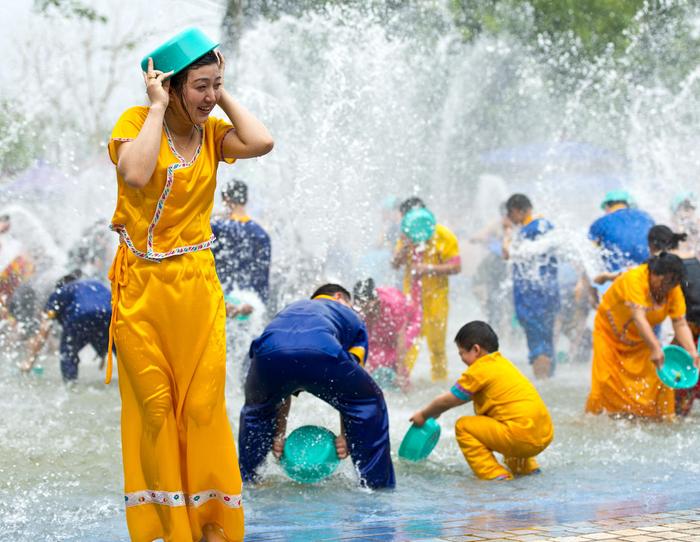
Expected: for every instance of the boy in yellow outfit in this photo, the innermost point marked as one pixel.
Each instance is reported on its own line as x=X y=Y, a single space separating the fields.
x=511 y=417
x=430 y=263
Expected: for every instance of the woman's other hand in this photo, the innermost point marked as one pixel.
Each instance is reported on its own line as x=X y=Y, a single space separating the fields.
x=657 y=357
x=157 y=87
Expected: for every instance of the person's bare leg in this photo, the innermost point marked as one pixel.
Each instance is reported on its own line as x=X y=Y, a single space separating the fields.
x=542 y=367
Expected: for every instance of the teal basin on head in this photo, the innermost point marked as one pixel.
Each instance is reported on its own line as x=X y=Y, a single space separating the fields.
x=309 y=454
x=678 y=370
x=180 y=51
x=418 y=225
x=419 y=442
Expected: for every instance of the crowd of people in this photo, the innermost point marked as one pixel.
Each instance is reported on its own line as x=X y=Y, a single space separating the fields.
x=182 y=287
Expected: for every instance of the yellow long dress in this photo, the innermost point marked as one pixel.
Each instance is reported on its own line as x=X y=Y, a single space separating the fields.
x=168 y=323
x=624 y=379
x=443 y=247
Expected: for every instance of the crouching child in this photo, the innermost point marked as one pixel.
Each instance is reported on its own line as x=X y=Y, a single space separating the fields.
x=510 y=416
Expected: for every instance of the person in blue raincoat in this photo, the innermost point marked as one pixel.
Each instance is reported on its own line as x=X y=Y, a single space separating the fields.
x=621 y=233
x=83 y=309
x=535 y=282
x=242 y=251
x=319 y=346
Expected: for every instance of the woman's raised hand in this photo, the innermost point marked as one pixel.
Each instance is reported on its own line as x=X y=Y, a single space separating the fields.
x=156 y=86
x=222 y=64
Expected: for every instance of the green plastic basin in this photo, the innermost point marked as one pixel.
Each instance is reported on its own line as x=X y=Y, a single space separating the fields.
x=418 y=225
x=309 y=454
x=180 y=51
x=678 y=370
x=419 y=442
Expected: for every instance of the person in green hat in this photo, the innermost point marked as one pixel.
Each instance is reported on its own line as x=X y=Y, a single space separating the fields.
x=181 y=475
x=621 y=233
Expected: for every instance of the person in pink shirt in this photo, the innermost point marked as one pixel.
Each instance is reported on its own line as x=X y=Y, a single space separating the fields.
x=393 y=322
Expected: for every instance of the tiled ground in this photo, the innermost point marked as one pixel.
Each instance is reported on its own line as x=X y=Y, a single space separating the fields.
x=682 y=525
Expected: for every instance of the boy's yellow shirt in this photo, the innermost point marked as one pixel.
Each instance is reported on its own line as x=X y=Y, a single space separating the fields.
x=441 y=248
x=500 y=391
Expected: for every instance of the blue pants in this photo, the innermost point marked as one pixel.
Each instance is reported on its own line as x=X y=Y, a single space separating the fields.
x=341 y=383
x=539 y=331
x=90 y=329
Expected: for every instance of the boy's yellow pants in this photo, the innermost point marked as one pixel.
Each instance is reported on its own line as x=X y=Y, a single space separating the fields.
x=479 y=436
x=434 y=329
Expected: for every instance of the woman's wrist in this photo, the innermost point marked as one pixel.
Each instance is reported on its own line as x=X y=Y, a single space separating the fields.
x=158 y=109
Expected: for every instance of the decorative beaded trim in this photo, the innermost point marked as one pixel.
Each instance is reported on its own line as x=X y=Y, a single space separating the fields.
x=148 y=496
x=150 y=254
x=621 y=334
x=178 y=498
x=198 y=499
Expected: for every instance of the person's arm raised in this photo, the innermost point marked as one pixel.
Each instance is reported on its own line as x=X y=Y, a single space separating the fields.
x=136 y=160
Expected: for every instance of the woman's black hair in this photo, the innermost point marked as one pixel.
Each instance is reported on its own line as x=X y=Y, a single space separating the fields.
x=661 y=237
x=477 y=332
x=177 y=81
x=332 y=289
x=667 y=265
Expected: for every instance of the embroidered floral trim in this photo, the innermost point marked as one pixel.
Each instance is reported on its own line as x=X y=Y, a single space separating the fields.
x=178 y=498
x=122 y=139
x=621 y=334
x=147 y=496
x=151 y=254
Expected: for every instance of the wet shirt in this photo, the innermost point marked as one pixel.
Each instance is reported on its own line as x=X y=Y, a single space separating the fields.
x=314 y=325
x=691 y=289
x=630 y=290
x=500 y=391
x=622 y=235
x=242 y=253
x=442 y=247
x=535 y=269
x=171 y=214
x=79 y=301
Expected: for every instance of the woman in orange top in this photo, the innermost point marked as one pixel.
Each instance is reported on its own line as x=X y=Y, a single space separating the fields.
x=626 y=352
x=181 y=473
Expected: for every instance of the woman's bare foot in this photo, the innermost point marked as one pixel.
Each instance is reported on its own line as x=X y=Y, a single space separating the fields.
x=214 y=533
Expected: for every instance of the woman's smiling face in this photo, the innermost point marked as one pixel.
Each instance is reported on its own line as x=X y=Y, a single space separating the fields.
x=201 y=92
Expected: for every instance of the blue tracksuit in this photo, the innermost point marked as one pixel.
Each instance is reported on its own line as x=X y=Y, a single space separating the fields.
x=242 y=253
x=83 y=308
x=536 y=291
x=622 y=235
x=315 y=346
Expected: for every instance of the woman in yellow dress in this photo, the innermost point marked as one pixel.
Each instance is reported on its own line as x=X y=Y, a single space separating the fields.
x=626 y=352
x=181 y=476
